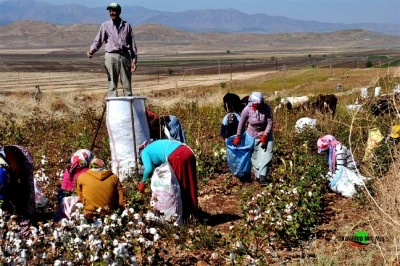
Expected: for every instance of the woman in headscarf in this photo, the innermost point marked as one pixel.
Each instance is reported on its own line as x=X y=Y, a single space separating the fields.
x=259 y=116
x=17 y=184
x=98 y=188
x=338 y=154
x=79 y=164
x=183 y=163
x=161 y=126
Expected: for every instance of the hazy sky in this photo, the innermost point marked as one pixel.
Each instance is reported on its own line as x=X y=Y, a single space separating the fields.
x=341 y=11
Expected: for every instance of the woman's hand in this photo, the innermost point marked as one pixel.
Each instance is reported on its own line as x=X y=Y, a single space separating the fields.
x=236 y=141
x=141 y=186
x=264 y=141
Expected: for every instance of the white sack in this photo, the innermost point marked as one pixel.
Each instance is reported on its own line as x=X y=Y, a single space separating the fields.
x=127 y=129
x=344 y=180
x=354 y=107
x=305 y=122
x=166 y=192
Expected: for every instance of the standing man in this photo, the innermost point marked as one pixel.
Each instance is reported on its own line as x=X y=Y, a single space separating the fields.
x=120 y=47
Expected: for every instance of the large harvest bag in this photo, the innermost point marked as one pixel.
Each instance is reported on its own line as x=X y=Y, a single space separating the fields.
x=166 y=192
x=239 y=157
x=344 y=181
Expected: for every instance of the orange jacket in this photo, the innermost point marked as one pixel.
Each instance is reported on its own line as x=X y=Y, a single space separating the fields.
x=100 y=189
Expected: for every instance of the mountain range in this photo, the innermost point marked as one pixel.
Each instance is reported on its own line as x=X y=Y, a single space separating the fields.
x=208 y=20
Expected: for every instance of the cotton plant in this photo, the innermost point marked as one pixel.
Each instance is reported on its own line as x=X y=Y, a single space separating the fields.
x=114 y=239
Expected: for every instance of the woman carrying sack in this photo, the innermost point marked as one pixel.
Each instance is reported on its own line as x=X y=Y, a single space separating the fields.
x=259 y=116
x=183 y=163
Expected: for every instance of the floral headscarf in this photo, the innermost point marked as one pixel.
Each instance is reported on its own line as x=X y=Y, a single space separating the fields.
x=143 y=145
x=81 y=158
x=328 y=142
x=97 y=164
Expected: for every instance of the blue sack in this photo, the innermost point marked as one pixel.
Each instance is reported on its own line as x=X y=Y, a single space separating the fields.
x=239 y=158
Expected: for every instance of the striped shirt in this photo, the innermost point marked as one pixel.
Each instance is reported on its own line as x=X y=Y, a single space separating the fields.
x=117 y=38
x=344 y=157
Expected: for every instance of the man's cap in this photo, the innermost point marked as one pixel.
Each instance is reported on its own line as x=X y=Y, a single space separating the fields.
x=114 y=5
x=395 y=132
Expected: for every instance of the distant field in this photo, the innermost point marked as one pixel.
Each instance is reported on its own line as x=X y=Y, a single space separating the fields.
x=61 y=72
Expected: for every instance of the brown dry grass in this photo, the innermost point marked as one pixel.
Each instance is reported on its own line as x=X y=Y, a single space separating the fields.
x=77 y=89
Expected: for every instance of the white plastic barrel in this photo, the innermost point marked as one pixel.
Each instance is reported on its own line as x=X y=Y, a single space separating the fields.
x=127 y=128
x=364 y=93
x=378 y=91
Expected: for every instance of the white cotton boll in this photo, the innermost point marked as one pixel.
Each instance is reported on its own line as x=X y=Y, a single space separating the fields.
x=114 y=217
x=232 y=256
x=57 y=263
x=294 y=190
x=137 y=232
x=77 y=241
x=136 y=216
x=23 y=253
x=148 y=244
x=289 y=218
x=133 y=260
x=125 y=213
x=141 y=239
x=156 y=237
x=150 y=259
x=239 y=244
x=309 y=193
x=231 y=227
x=115 y=242
x=106 y=256
x=56 y=234
x=116 y=252
x=153 y=231
x=214 y=256
x=29 y=242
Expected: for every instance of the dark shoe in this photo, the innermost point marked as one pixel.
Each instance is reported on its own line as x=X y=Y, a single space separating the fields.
x=245 y=179
x=263 y=181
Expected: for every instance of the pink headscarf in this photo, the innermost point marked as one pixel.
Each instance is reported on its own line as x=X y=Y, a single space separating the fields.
x=328 y=142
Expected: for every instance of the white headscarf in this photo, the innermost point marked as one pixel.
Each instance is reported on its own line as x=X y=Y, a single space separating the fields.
x=256 y=97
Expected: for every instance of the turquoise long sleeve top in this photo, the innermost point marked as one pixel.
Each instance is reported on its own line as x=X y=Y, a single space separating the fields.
x=157 y=153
